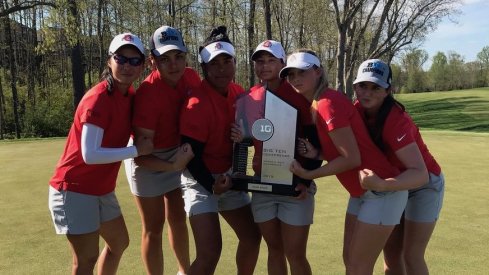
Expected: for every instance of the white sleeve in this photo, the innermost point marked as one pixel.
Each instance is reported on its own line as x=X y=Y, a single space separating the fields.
x=93 y=153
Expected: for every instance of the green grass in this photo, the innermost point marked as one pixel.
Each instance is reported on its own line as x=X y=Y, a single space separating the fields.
x=464 y=110
x=29 y=245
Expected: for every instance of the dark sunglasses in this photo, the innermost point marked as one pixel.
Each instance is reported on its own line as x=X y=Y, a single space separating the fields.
x=133 y=61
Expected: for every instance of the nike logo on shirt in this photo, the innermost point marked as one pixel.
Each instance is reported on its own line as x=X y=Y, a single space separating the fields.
x=329 y=120
x=401 y=138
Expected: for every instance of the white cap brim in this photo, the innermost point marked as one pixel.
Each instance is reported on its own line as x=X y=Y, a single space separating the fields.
x=214 y=49
x=167 y=48
x=375 y=80
x=301 y=61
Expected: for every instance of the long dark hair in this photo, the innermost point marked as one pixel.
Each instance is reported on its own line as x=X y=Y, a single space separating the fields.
x=107 y=75
x=377 y=128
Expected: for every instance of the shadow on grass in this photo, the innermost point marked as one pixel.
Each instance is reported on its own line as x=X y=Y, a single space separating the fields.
x=469 y=113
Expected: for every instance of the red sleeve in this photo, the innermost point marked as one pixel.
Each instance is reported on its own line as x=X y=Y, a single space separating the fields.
x=398 y=130
x=194 y=120
x=334 y=111
x=94 y=109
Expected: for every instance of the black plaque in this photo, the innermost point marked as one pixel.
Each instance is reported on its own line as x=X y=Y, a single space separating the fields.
x=262 y=159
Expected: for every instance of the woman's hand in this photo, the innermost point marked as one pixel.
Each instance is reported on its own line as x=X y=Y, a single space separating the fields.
x=144 y=145
x=370 y=181
x=237 y=131
x=306 y=149
x=222 y=184
x=297 y=169
x=182 y=157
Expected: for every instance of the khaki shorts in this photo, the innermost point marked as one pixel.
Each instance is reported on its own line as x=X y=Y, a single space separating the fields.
x=199 y=201
x=382 y=208
x=424 y=203
x=76 y=213
x=147 y=183
x=287 y=209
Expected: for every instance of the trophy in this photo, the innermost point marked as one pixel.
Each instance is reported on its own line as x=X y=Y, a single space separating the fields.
x=262 y=159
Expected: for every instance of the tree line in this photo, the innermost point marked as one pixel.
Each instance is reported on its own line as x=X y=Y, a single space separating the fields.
x=54 y=50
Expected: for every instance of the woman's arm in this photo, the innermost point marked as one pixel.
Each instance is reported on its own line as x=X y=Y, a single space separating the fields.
x=415 y=175
x=94 y=153
x=349 y=158
x=178 y=162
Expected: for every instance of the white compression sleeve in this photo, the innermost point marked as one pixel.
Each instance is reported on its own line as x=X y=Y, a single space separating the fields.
x=92 y=151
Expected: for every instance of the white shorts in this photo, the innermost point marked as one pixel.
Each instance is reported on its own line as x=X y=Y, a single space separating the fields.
x=76 y=213
x=383 y=208
x=199 y=201
x=424 y=203
x=147 y=183
x=287 y=209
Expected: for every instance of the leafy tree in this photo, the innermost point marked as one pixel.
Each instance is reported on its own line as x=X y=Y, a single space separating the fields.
x=438 y=72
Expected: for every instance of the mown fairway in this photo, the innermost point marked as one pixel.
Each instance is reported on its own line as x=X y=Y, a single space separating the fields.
x=29 y=245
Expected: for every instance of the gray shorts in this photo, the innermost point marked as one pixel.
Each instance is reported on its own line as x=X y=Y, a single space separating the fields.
x=76 y=213
x=287 y=209
x=199 y=201
x=424 y=203
x=147 y=183
x=383 y=208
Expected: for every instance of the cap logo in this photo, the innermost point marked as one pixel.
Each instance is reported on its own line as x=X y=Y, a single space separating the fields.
x=218 y=46
x=374 y=67
x=267 y=44
x=128 y=37
x=165 y=36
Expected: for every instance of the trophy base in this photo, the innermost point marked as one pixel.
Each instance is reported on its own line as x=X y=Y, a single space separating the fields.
x=253 y=184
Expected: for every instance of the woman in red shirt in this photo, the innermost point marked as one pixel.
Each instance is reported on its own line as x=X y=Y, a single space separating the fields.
x=82 y=200
x=155 y=179
x=206 y=125
x=395 y=133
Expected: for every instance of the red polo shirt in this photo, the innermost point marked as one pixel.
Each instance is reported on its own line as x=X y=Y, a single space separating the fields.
x=157 y=106
x=207 y=118
x=109 y=112
x=334 y=111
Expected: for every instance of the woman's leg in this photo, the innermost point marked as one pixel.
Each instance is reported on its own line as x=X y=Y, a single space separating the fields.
x=152 y=212
x=416 y=238
x=295 y=247
x=393 y=252
x=84 y=248
x=114 y=232
x=241 y=221
x=271 y=231
x=177 y=228
x=208 y=243
x=367 y=241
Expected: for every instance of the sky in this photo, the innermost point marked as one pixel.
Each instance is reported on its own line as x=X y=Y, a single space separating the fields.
x=466 y=37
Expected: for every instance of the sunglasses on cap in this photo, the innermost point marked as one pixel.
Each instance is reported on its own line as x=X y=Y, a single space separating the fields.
x=133 y=61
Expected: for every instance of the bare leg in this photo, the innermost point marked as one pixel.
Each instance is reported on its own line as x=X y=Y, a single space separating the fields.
x=114 y=232
x=366 y=244
x=393 y=252
x=416 y=238
x=177 y=228
x=295 y=246
x=152 y=212
x=241 y=220
x=271 y=231
x=85 y=250
x=208 y=243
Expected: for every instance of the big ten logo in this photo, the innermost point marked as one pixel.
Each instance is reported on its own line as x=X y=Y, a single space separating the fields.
x=262 y=129
x=266 y=128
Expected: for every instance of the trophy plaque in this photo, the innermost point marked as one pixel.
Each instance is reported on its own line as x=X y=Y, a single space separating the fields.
x=262 y=159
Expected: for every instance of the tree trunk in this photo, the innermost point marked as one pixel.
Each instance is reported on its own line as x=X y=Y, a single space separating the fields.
x=13 y=71
x=76 y=62
x=268 y=19
x=251 y=41
x=1 y=109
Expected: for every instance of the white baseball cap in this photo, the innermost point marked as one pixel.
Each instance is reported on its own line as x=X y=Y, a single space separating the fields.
x=376 y=71
x=214 y=49
x=166 y=38
x=125 y=39
x=270 y=46
x=300 y=60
